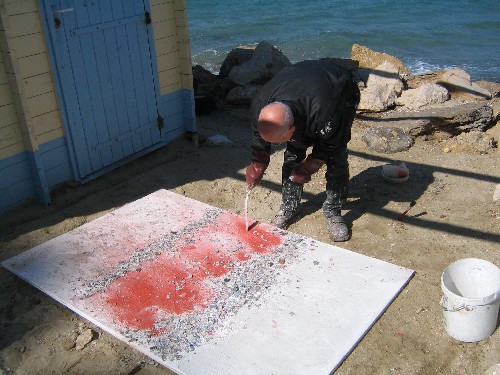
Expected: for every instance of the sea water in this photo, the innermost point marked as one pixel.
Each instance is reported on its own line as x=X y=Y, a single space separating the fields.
x=425 y=35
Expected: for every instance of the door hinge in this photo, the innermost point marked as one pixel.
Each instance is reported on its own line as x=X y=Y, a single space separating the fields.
x=147 y=18
x=160 y=122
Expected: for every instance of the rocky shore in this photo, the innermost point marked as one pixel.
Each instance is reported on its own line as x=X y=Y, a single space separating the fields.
x=396 y=106
x=454 y=181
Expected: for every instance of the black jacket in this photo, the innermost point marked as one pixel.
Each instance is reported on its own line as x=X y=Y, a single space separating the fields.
x=319 y=94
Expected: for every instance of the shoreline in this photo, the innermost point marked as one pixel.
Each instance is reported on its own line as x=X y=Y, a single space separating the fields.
x=417 y=68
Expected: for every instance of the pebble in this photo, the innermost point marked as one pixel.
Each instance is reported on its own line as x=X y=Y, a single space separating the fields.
x=68 y=345
x=496 y=194
x=84 y=338
x=493 y=370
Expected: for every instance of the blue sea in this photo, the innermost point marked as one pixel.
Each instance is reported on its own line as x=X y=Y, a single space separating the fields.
x=425 y=35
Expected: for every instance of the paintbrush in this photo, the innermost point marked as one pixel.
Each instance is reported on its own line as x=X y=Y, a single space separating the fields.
x=400 y=217
x=246 y=208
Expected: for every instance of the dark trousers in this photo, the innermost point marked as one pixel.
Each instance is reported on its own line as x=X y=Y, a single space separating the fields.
x=336 y=176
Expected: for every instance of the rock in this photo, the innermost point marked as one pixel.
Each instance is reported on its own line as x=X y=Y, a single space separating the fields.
x=375 y=100
x=387 y=140
x=493 y=370
x=495 y=107
x=204 y=81
x=496 y=193
x=242 y=95
x=68 y=345
x=412 y=126
x=218 y=140
x=445 y=121
x=494 y=132
x=474 y=141
x=236 y=57
x=455 y=118
x=370 y=59
x=425 y=105
x=428 y=93
x=464 y=117
x=84 y=338
x=265 y=62
x=206 y=87
x=383 y=87
x=458 y=83
x=420 y=79
x=492 y=87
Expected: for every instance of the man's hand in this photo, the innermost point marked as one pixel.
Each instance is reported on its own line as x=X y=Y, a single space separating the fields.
x=305 y=170
x=255 y=171
x=254 y=174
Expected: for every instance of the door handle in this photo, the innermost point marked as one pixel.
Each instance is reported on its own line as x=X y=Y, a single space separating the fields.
x=57 y=12
x=63 y=10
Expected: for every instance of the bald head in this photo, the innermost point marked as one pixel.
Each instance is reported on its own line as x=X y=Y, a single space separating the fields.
x=275 y=123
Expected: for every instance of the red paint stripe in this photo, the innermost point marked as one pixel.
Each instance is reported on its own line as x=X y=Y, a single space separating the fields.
x=174 y=282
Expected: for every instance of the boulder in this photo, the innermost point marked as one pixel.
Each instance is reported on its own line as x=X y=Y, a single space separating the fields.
x=266 y=61
x=242 y=95
x=382 y=88
x=492 y=87
x=387 y=139
x=428 y=93
x=369 y=59
x=206 y=86
x=464 y=117
x=441 y=76
x=420 y=79
x=495 y=107
x=456 y=117
x=473 y=141
x=205 y=82
x=236 y=57
x=458 y=83
x=383 y=131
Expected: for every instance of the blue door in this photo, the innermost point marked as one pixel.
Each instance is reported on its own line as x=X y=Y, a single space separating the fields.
x=106 y=78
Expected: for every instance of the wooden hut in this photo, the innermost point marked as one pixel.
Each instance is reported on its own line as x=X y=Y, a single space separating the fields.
x=86 y=86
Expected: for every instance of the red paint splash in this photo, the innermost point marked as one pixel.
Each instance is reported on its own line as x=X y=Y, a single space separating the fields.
x=173 y=283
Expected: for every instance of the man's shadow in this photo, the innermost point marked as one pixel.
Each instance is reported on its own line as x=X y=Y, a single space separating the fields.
x=369 y=192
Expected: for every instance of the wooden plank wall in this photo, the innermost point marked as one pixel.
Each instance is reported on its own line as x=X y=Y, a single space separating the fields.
x=32 y=146
x=173 y=54
x=34 y=91
x=11 y=142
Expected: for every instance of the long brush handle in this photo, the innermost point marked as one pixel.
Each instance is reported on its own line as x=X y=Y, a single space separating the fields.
x=400 y=217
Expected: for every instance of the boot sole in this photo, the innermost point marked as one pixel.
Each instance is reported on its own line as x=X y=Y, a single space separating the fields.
x=288 y=222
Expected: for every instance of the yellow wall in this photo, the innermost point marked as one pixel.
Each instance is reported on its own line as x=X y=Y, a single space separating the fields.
x=29 y=77
x=11 y=142
x=173 y=54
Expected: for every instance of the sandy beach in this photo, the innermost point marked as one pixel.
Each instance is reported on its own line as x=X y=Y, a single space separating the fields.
x=454 y=217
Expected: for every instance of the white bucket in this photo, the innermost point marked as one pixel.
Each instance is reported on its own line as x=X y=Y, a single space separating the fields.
x=471 y=299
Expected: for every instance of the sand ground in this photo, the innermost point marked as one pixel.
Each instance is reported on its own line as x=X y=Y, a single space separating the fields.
x=455 y=217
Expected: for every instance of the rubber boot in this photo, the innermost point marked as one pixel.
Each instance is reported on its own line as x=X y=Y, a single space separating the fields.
x=288 y=212
x=337 y=227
